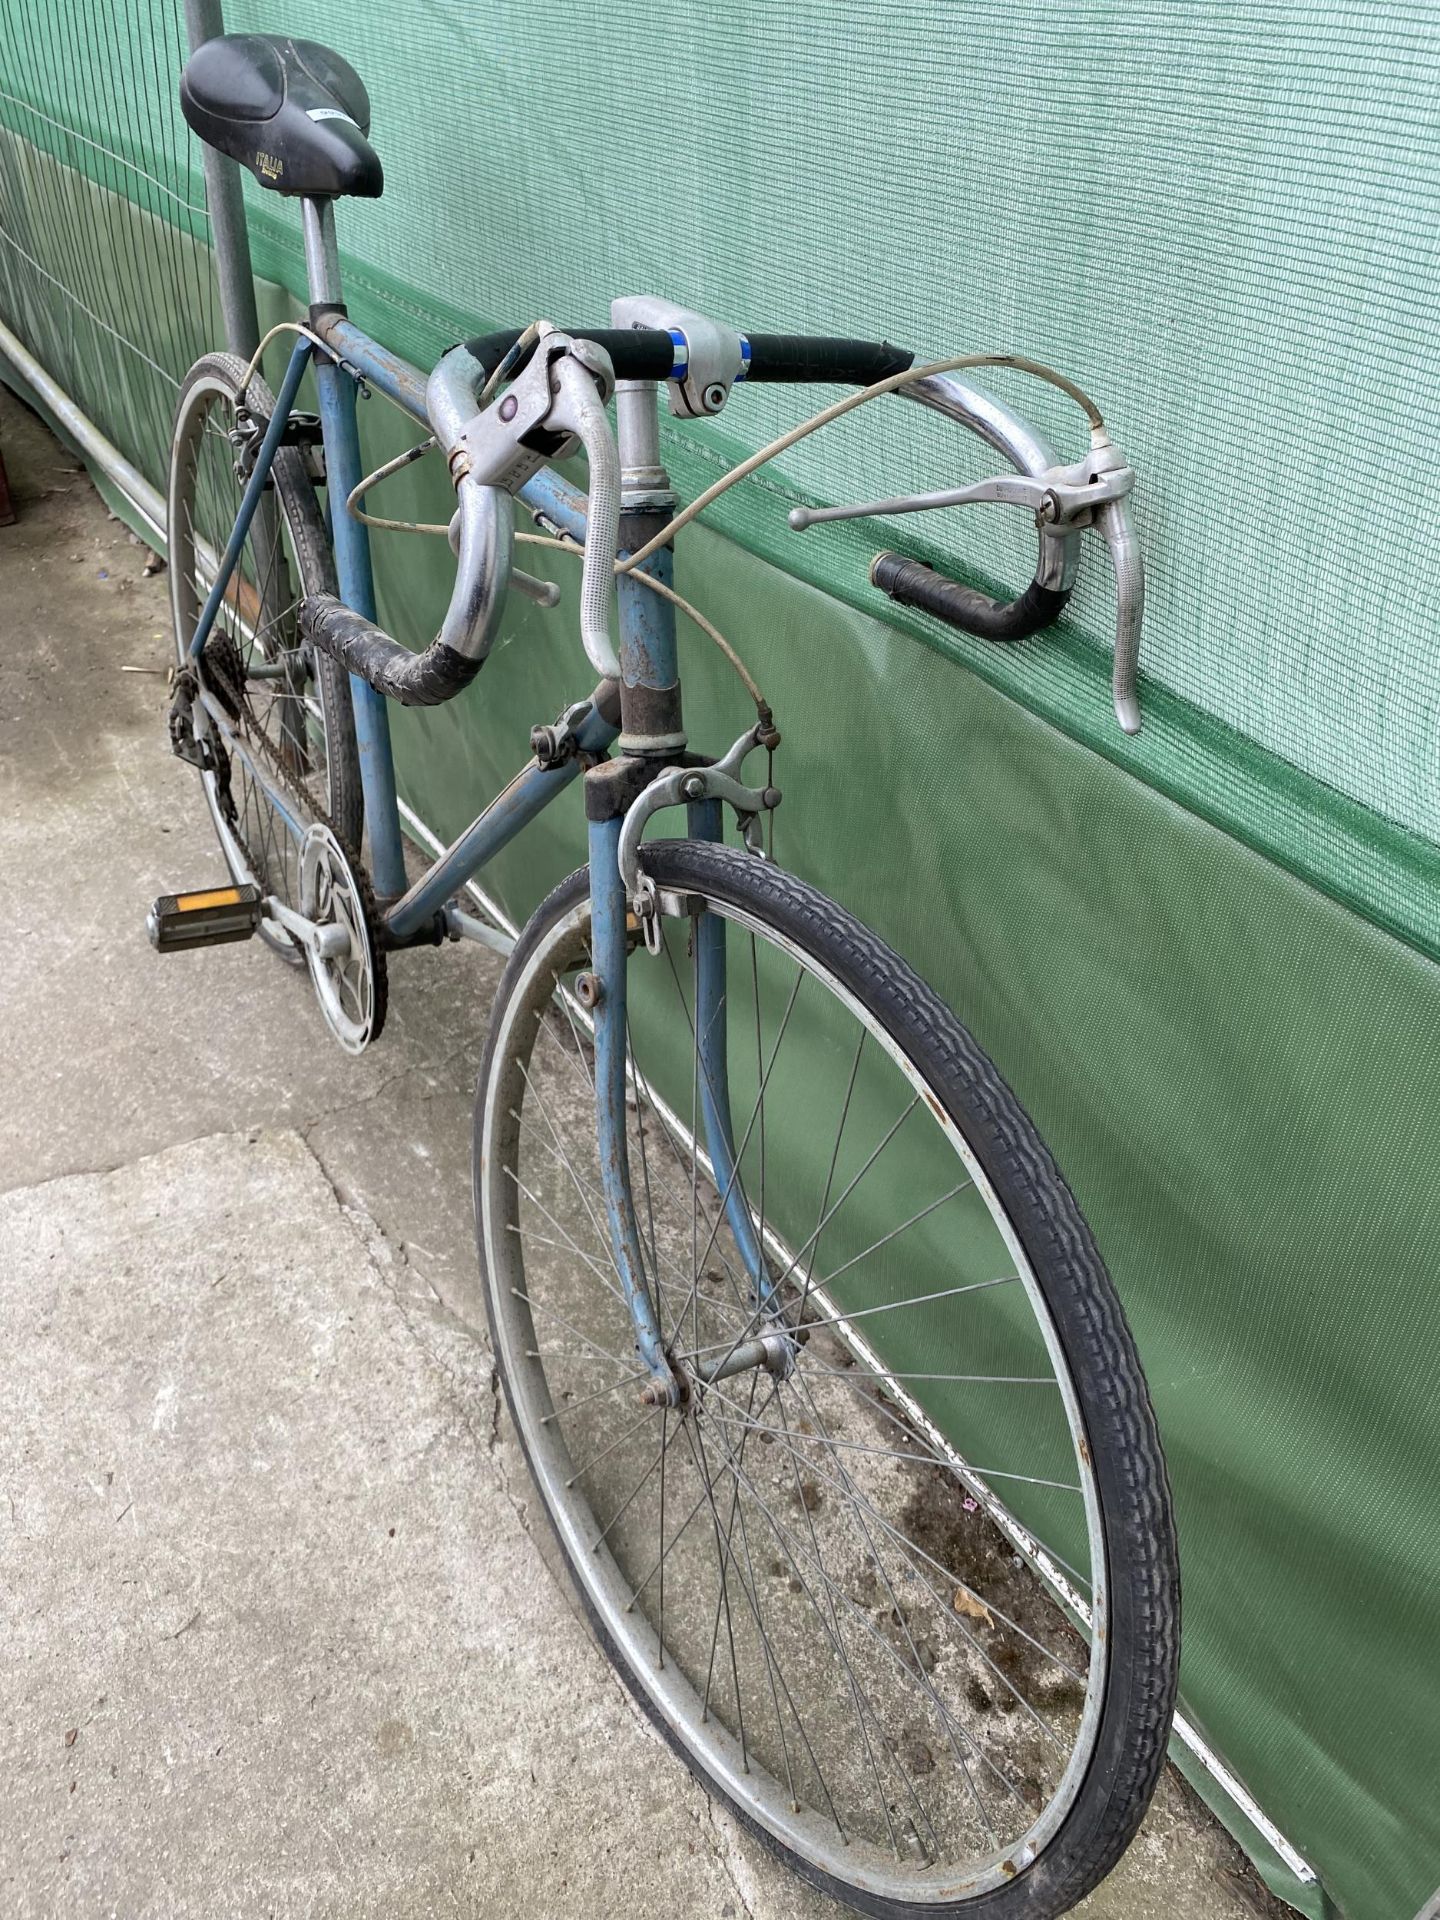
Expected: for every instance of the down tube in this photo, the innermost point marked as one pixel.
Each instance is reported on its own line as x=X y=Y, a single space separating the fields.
x=508 y=814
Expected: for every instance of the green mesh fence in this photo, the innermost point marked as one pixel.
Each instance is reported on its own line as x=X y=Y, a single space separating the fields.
x=1204 y=212
x=115 y=307
x=1221 y=220
x=1200 y=212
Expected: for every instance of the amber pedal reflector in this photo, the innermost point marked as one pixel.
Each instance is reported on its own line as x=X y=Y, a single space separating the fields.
x=216 y=897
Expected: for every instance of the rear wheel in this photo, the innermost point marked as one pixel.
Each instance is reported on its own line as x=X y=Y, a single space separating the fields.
x=898 y=1579
x=280 y=706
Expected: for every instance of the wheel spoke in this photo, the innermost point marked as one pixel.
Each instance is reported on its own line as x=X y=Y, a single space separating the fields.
x=928 y=1460
x=860 y=1313
x=285 y=717
x=797 y=1557
x=846 y=1485
x=951 y=1726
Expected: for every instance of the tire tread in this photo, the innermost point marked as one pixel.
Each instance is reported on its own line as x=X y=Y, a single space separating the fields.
x=1143 y=1572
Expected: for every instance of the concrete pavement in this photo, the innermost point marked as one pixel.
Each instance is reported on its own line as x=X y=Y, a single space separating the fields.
x=277 y=1637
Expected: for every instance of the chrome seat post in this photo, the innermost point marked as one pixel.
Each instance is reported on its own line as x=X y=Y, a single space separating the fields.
x=322 y=256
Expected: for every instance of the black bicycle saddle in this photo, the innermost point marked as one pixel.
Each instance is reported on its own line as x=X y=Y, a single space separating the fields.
x=291 y=111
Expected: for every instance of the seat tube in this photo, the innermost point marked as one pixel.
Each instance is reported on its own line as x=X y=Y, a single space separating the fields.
x=351 y=542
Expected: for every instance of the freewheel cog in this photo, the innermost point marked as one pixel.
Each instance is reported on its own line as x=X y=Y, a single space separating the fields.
x=350 y=984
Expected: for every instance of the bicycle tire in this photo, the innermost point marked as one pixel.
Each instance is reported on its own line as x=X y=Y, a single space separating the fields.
x=1141 y=1570
x=247 y=830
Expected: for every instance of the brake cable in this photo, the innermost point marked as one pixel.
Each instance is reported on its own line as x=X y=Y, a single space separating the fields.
x=629 y=566
x=564 y=544
x=840 y=407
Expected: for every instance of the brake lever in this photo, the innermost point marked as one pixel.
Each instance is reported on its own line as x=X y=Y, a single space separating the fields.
x=1117 y=529
x=556 y=402
x=1059 y=500
x=1090 y=493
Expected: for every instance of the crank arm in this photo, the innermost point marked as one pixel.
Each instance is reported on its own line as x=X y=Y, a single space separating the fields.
x=326 y=943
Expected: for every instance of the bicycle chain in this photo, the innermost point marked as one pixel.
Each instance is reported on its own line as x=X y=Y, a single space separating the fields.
x=224 y=673
x=225 y=676
x=370 y=912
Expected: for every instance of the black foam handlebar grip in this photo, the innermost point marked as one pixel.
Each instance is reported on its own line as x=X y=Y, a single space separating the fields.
x=636 y=353
x=913 y=584
x=799 y=359
x=414 y=679
x=648 y=353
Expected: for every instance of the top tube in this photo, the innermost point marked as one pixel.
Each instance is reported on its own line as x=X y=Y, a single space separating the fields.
x=545 y=493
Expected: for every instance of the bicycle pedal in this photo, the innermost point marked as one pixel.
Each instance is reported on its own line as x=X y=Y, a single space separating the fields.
x=209 y=917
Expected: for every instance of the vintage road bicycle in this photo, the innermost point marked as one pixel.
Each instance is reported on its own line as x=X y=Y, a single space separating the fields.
x=817 y=1368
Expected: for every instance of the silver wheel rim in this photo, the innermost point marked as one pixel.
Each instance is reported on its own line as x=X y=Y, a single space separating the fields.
x=674 y=1695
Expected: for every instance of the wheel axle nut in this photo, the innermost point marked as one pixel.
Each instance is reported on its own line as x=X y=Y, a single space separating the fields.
x=588 y=990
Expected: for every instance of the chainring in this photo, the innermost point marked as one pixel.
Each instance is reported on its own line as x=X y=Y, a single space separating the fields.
x=352 y=988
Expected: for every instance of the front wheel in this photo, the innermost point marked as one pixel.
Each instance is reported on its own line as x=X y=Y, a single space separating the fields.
x=898 y=1578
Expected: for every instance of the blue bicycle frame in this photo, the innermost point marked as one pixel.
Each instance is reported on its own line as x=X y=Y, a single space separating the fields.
x=648 y=661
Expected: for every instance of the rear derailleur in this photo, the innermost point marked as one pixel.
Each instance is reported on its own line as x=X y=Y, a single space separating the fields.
x=202 y=750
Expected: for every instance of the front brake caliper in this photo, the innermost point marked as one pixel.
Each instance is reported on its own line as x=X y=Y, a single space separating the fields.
x=680 y=786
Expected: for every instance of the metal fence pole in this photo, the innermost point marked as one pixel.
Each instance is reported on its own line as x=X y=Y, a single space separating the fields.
x=203 y=21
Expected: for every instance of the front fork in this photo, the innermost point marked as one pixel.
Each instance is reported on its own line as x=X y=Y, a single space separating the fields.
x=606 y=995
x=652 y=726
x=711 y=1038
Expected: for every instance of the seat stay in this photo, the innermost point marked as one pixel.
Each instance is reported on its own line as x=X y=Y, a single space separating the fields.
x=250 y=499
